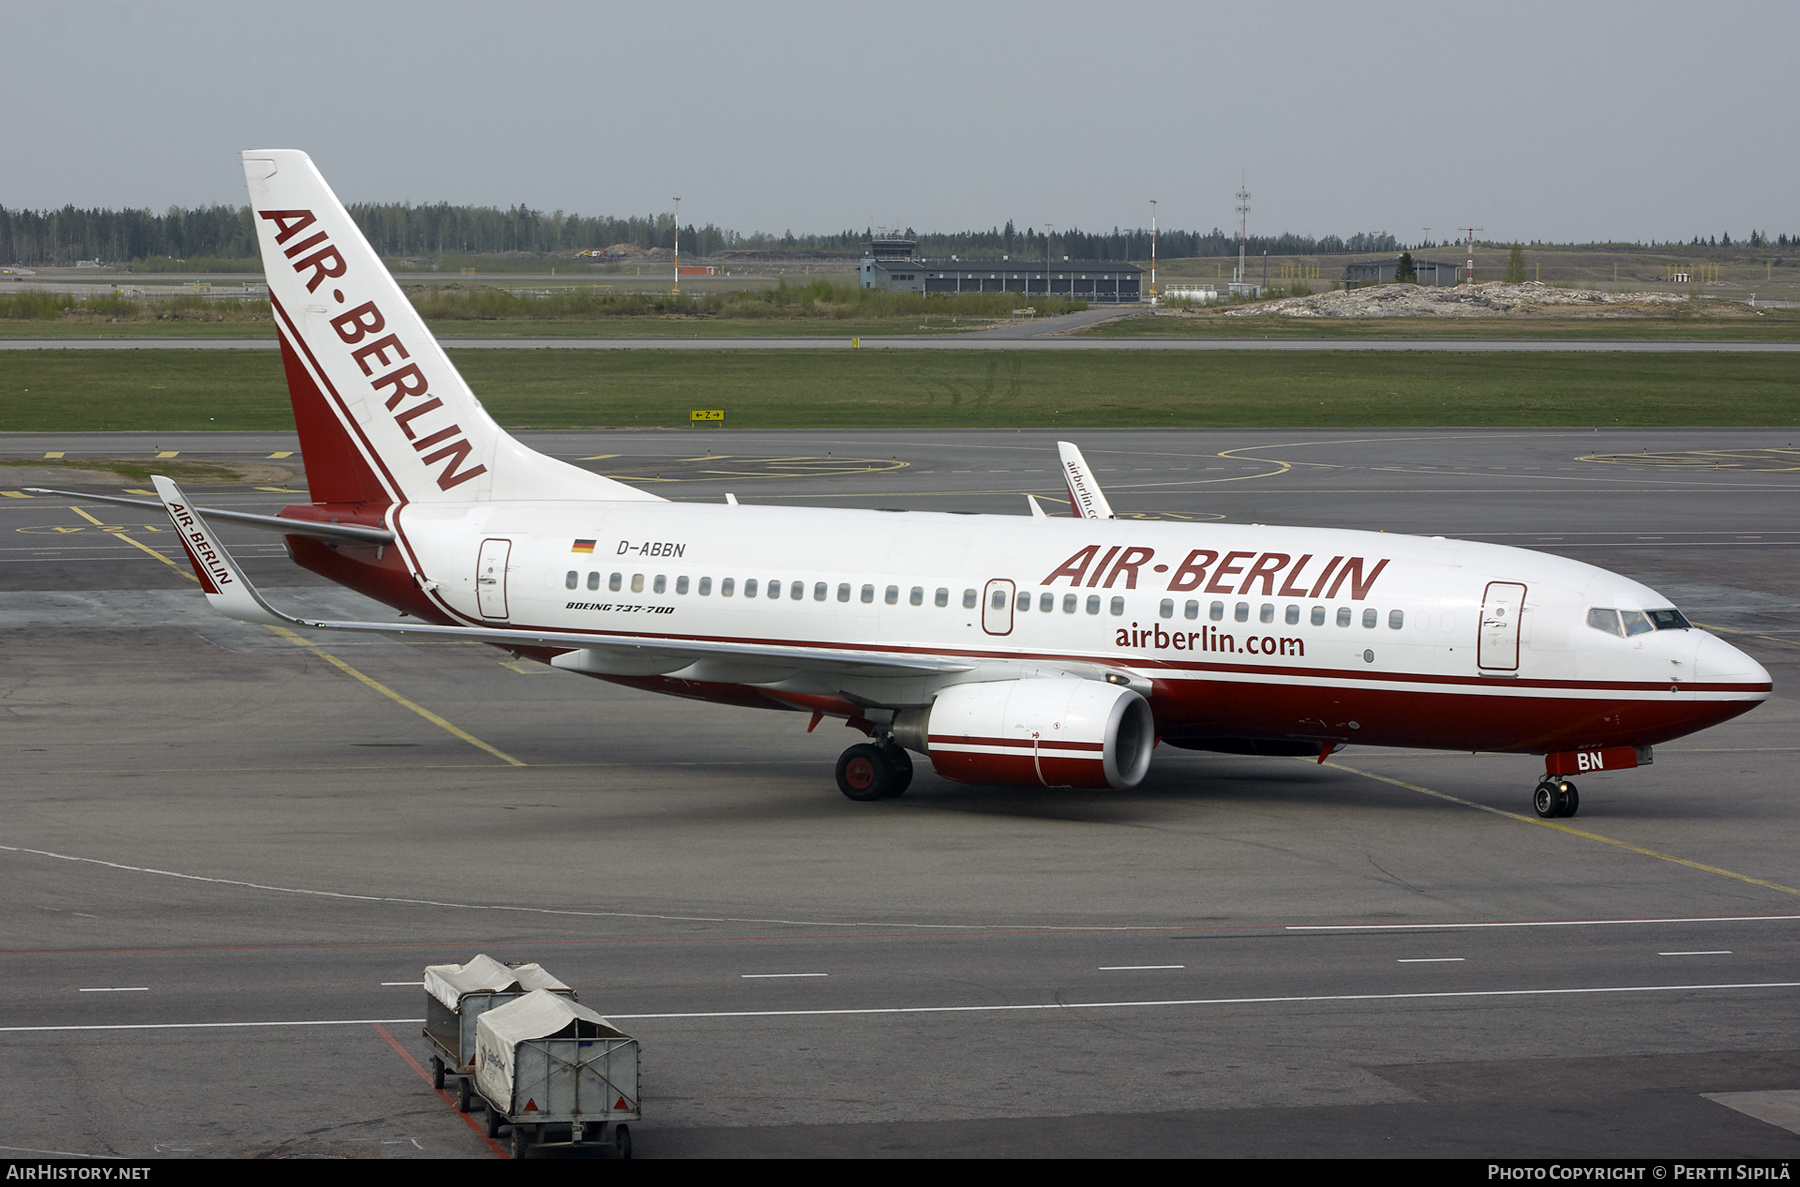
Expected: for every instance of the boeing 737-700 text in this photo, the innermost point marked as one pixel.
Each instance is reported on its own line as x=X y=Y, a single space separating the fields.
x=1017 y=650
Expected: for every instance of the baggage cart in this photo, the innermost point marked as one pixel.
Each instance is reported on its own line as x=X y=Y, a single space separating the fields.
x=549 y=1067
x=456 y=996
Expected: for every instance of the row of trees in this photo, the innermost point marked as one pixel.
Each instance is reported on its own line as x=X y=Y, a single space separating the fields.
x=398 y=229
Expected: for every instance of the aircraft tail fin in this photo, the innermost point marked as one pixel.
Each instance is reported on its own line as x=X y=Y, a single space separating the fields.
x=383 y=415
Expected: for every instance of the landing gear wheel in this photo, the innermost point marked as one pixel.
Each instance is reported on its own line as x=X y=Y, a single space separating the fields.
x=902 y=765
x=865 y=772
x=1569 y=801
x=1546 y=800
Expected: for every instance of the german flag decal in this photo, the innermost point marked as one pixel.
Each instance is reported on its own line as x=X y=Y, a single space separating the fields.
x=583 y=546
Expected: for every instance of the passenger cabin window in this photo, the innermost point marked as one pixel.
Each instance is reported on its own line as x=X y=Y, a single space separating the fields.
x=749 y=588
x=727 y=586
x=660 y=585
x=893 y=595
x=1267 y=613
x=681 y=585
x=1396 y=619
x=1293 y=616
x=820 y=589
x=1024 y=602
x=706 y=587
x=573 y=580
x=970 y=597
x=999 y=599
x=637 y=583
x=1117 y=607
x=844 y=591
x=917 y=596
x=1343 y=617
x=941 y=598
x=868 y=594
x=1191 y=610
x=1069 y=603
x=1167 y=609
x=1370 y=617
x=615 y=582
x=1241 y=612
x=1216 y=611
x=1093 y=604
x=1318 y=616
x=1046 y=602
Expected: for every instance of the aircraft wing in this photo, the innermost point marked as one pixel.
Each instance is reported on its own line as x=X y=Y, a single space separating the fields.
x=232 y=595
x=343 y=533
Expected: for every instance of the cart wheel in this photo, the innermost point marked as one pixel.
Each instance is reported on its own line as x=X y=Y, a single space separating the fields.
x=521 y=1143
x=622 y=1140
x=465 y=1094
x=494 y=1121
x=437 y=1073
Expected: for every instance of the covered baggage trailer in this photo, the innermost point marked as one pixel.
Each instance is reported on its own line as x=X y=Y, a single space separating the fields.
x=543 y=1062
x=456 y=996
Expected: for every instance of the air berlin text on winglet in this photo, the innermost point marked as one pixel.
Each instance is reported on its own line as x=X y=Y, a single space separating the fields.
x=199 y=549
x=403 y=382
x=1093 y=569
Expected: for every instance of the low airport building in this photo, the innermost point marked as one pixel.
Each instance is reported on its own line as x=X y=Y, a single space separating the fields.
x=890 y=264
x=1428 y=272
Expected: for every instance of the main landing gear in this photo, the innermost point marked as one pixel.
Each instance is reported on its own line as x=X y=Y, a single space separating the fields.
x=868 y=771
x=1555 y=797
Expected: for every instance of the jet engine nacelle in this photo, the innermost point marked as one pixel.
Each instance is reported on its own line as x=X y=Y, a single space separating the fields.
x=1052 y=732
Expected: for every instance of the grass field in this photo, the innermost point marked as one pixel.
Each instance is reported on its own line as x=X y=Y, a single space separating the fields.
x=1771 y=325
x=186 y=390
x=510 y=327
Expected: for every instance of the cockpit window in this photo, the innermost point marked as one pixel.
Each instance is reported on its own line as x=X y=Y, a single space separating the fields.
x=1606 y=620
x=1630 y=623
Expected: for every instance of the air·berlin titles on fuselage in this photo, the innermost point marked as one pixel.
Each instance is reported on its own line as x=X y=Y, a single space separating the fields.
x=1191 y=575
x=355 y=326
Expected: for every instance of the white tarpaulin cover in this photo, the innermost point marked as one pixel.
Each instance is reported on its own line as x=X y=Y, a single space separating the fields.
x=538 y=1015
x=449 y=982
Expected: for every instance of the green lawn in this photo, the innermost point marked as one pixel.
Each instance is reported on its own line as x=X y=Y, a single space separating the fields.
x=1771 y=325
x=169 y=390
x=521 y=327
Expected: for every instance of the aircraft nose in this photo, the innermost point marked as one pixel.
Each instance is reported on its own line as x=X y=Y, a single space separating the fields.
x=1717 y=660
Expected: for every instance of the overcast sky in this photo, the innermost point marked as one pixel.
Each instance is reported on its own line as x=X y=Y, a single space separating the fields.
x=1555 y=121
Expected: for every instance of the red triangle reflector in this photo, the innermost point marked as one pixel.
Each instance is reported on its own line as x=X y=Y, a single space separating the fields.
x=531 y=1106
x=620 y=1105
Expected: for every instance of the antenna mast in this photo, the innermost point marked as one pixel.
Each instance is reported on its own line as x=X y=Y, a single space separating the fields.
x=1471 y=232
x=1243 y=208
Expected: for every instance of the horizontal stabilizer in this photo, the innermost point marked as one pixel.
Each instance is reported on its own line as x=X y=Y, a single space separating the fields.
x=343 y=533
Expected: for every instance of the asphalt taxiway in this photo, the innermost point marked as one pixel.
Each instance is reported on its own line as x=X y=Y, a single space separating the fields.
x=229 y=852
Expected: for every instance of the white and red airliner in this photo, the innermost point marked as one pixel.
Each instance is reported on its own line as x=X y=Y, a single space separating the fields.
x=1020 y=650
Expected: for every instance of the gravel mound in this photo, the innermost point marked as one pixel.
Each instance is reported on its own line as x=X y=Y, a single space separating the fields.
x=1464 y=300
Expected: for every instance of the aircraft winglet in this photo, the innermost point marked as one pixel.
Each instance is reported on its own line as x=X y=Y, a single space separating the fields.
x=1085 y=498
x=225 y=585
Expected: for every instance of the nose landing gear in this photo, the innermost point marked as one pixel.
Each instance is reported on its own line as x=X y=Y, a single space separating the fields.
x=1555 y=797
x=874 y=772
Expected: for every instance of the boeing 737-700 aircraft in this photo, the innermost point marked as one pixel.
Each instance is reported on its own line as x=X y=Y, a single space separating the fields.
x=1006 y=650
